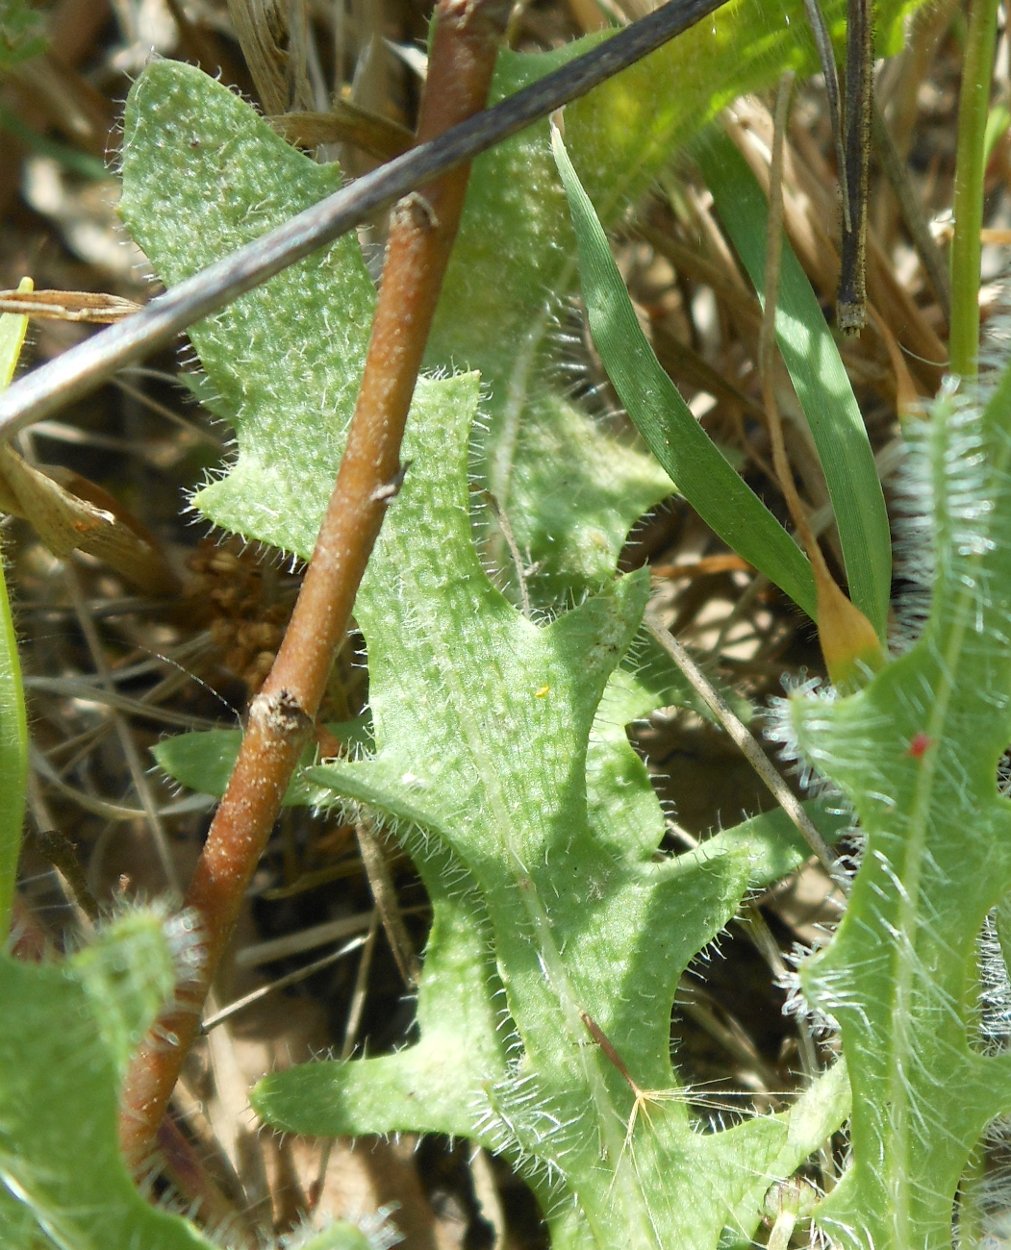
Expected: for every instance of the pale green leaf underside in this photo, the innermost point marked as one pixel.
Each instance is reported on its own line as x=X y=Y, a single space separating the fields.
x=916 y=752
x=62 y=1180
x=66 y=1035
x=203 y=174
x=548 y=900
x=204 y=761
x=537 y=853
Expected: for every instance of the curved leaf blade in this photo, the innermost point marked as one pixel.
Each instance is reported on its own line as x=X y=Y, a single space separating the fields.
x=13 y=721
x=819 y=379
x=692 y=460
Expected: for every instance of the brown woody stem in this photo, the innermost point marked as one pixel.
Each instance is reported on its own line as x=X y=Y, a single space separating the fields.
x=467 y=35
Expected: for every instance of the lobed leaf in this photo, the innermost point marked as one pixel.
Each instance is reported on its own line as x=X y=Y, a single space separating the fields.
x=550 y=902
x=571 y=490
x=916 y=752
x=533 y=824
x=282 y=363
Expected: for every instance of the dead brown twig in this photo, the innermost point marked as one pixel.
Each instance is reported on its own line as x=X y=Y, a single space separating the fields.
x=281 y=717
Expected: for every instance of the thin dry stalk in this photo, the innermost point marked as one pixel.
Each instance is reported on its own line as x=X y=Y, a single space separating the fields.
x=281 y=717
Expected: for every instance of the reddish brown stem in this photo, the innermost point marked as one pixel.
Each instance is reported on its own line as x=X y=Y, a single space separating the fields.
x=467 y=34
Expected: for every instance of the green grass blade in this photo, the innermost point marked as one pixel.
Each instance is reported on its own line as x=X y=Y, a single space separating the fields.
x=13 y=758
x=13 y=722
x=694 y=463
x=819 y=379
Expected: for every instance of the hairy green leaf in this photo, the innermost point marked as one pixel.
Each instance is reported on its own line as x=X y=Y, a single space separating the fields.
x=204 y=761
x=282 y=364
x=917 y=752
x=500 y=760
x=63 y=1052
x=551 y=904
